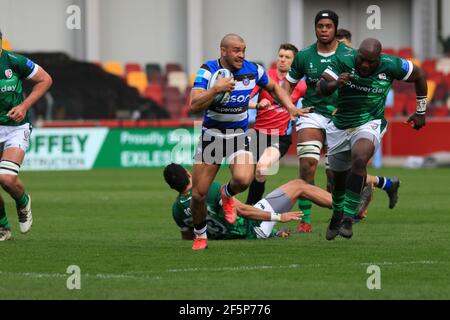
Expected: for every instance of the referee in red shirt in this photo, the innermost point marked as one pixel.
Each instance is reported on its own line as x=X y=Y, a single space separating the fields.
x=273 y=124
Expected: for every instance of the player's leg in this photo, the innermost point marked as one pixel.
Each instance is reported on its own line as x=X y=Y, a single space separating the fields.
x=10 y=163
x=203 y=175
x=297 y=188
x=362 y=150
x=241 y=167
x=5 y=228
x=390 y=185
x=309 y=144
x=264 y=167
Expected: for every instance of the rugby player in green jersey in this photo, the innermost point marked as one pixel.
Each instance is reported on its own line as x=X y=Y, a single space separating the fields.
x=15 y=130
x=253 y=222
x=310 y=63
x=363 y=79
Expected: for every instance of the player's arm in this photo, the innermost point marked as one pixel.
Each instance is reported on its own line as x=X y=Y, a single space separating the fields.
x=262 y=104
x=284 y=98
x=250 y=212
x=42 y=82
x=201 y=99
x=329 y=83
x=417 y=119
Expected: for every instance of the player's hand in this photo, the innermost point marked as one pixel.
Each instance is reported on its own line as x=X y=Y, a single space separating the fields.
x=289 y=216
x=224 y=84
x=343 y=79
x=301 y=112
x=265 y=103
x=17 y=113
x=417 y=121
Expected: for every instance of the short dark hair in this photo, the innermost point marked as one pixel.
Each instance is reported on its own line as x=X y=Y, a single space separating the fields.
x=344 y=34
x=288 y=46
x=176 y=177
x=327 y=14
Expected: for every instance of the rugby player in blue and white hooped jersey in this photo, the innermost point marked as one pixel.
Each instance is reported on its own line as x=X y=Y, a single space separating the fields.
x=225 y=127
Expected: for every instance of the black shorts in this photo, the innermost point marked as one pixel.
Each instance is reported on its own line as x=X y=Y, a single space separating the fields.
x=259 y=142
x=213 y=149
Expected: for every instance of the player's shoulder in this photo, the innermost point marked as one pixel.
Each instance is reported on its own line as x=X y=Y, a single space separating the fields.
x=342 y=48
x=389 y=59
x=211 y=65
x=309 y=49
x=250 y=66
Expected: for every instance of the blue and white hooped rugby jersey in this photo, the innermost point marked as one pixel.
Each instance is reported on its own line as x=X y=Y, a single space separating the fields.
x=232 y=115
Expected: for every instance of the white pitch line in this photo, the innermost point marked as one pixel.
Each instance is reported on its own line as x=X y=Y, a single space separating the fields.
x=239 y=268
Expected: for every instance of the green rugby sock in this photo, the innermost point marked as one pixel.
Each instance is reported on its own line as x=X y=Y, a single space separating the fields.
x=305 y=206
x=22 y=201
x=351 y=203
x=3 y=219
x=338 y=200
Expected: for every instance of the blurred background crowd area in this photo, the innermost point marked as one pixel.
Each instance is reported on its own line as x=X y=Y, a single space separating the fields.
x=116 y=66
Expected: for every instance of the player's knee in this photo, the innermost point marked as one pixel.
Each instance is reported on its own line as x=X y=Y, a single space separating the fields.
x=8 y=181
x=198 y=196
x=242 y=181
x=308 y=168
x=309 y=150
x=261 y=171
x=359 y=162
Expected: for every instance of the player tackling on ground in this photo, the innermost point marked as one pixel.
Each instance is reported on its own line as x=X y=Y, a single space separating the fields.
x=15 y=130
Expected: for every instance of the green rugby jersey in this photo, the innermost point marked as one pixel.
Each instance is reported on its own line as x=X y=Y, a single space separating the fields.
x=311 y=64
x=14 y=68
x=363 y=98
x=218 y=227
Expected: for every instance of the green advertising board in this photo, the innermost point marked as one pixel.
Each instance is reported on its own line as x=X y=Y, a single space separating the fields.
x=87 y=148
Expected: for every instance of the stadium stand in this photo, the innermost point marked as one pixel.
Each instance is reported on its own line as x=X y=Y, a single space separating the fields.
x=114 y=67
x=85 y=91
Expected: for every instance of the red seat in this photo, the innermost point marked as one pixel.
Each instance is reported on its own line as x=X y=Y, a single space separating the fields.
x=429 y=65
x=155 y=93
x=389 y=51
x=399 y=103
x=173 y=67
x=405 y=53
x=130 y=67
x=441 y=111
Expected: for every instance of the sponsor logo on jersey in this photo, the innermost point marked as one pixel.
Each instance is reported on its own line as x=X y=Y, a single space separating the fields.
x=365 y=89
x=382 y=76
x=8 y=89
x=325 y=60
x=374 y=126
x=240 y=98
x=8 y=73
x=246 y=81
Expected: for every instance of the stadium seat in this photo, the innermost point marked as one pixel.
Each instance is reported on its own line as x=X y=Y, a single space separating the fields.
x=132 y=66
x=155 y=93
x=177 y=79
x=440 y=111
x=443 y=65
x=399 y=104
x=114 y=67
x=152 y=68
x=6 y=44
x=173 y=66
x=389 y=51
x=429 y=65
x=405 y=53
x=173 y=101
x=138 y=80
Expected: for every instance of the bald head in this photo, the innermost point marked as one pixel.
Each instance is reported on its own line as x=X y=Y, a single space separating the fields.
x=371 y=46
x=231 y=37
x=368 y=58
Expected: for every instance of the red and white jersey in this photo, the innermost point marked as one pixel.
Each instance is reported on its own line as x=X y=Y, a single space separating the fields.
x=276 y=121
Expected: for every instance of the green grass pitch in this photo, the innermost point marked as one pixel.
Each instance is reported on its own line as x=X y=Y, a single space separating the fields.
x=117 y=227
